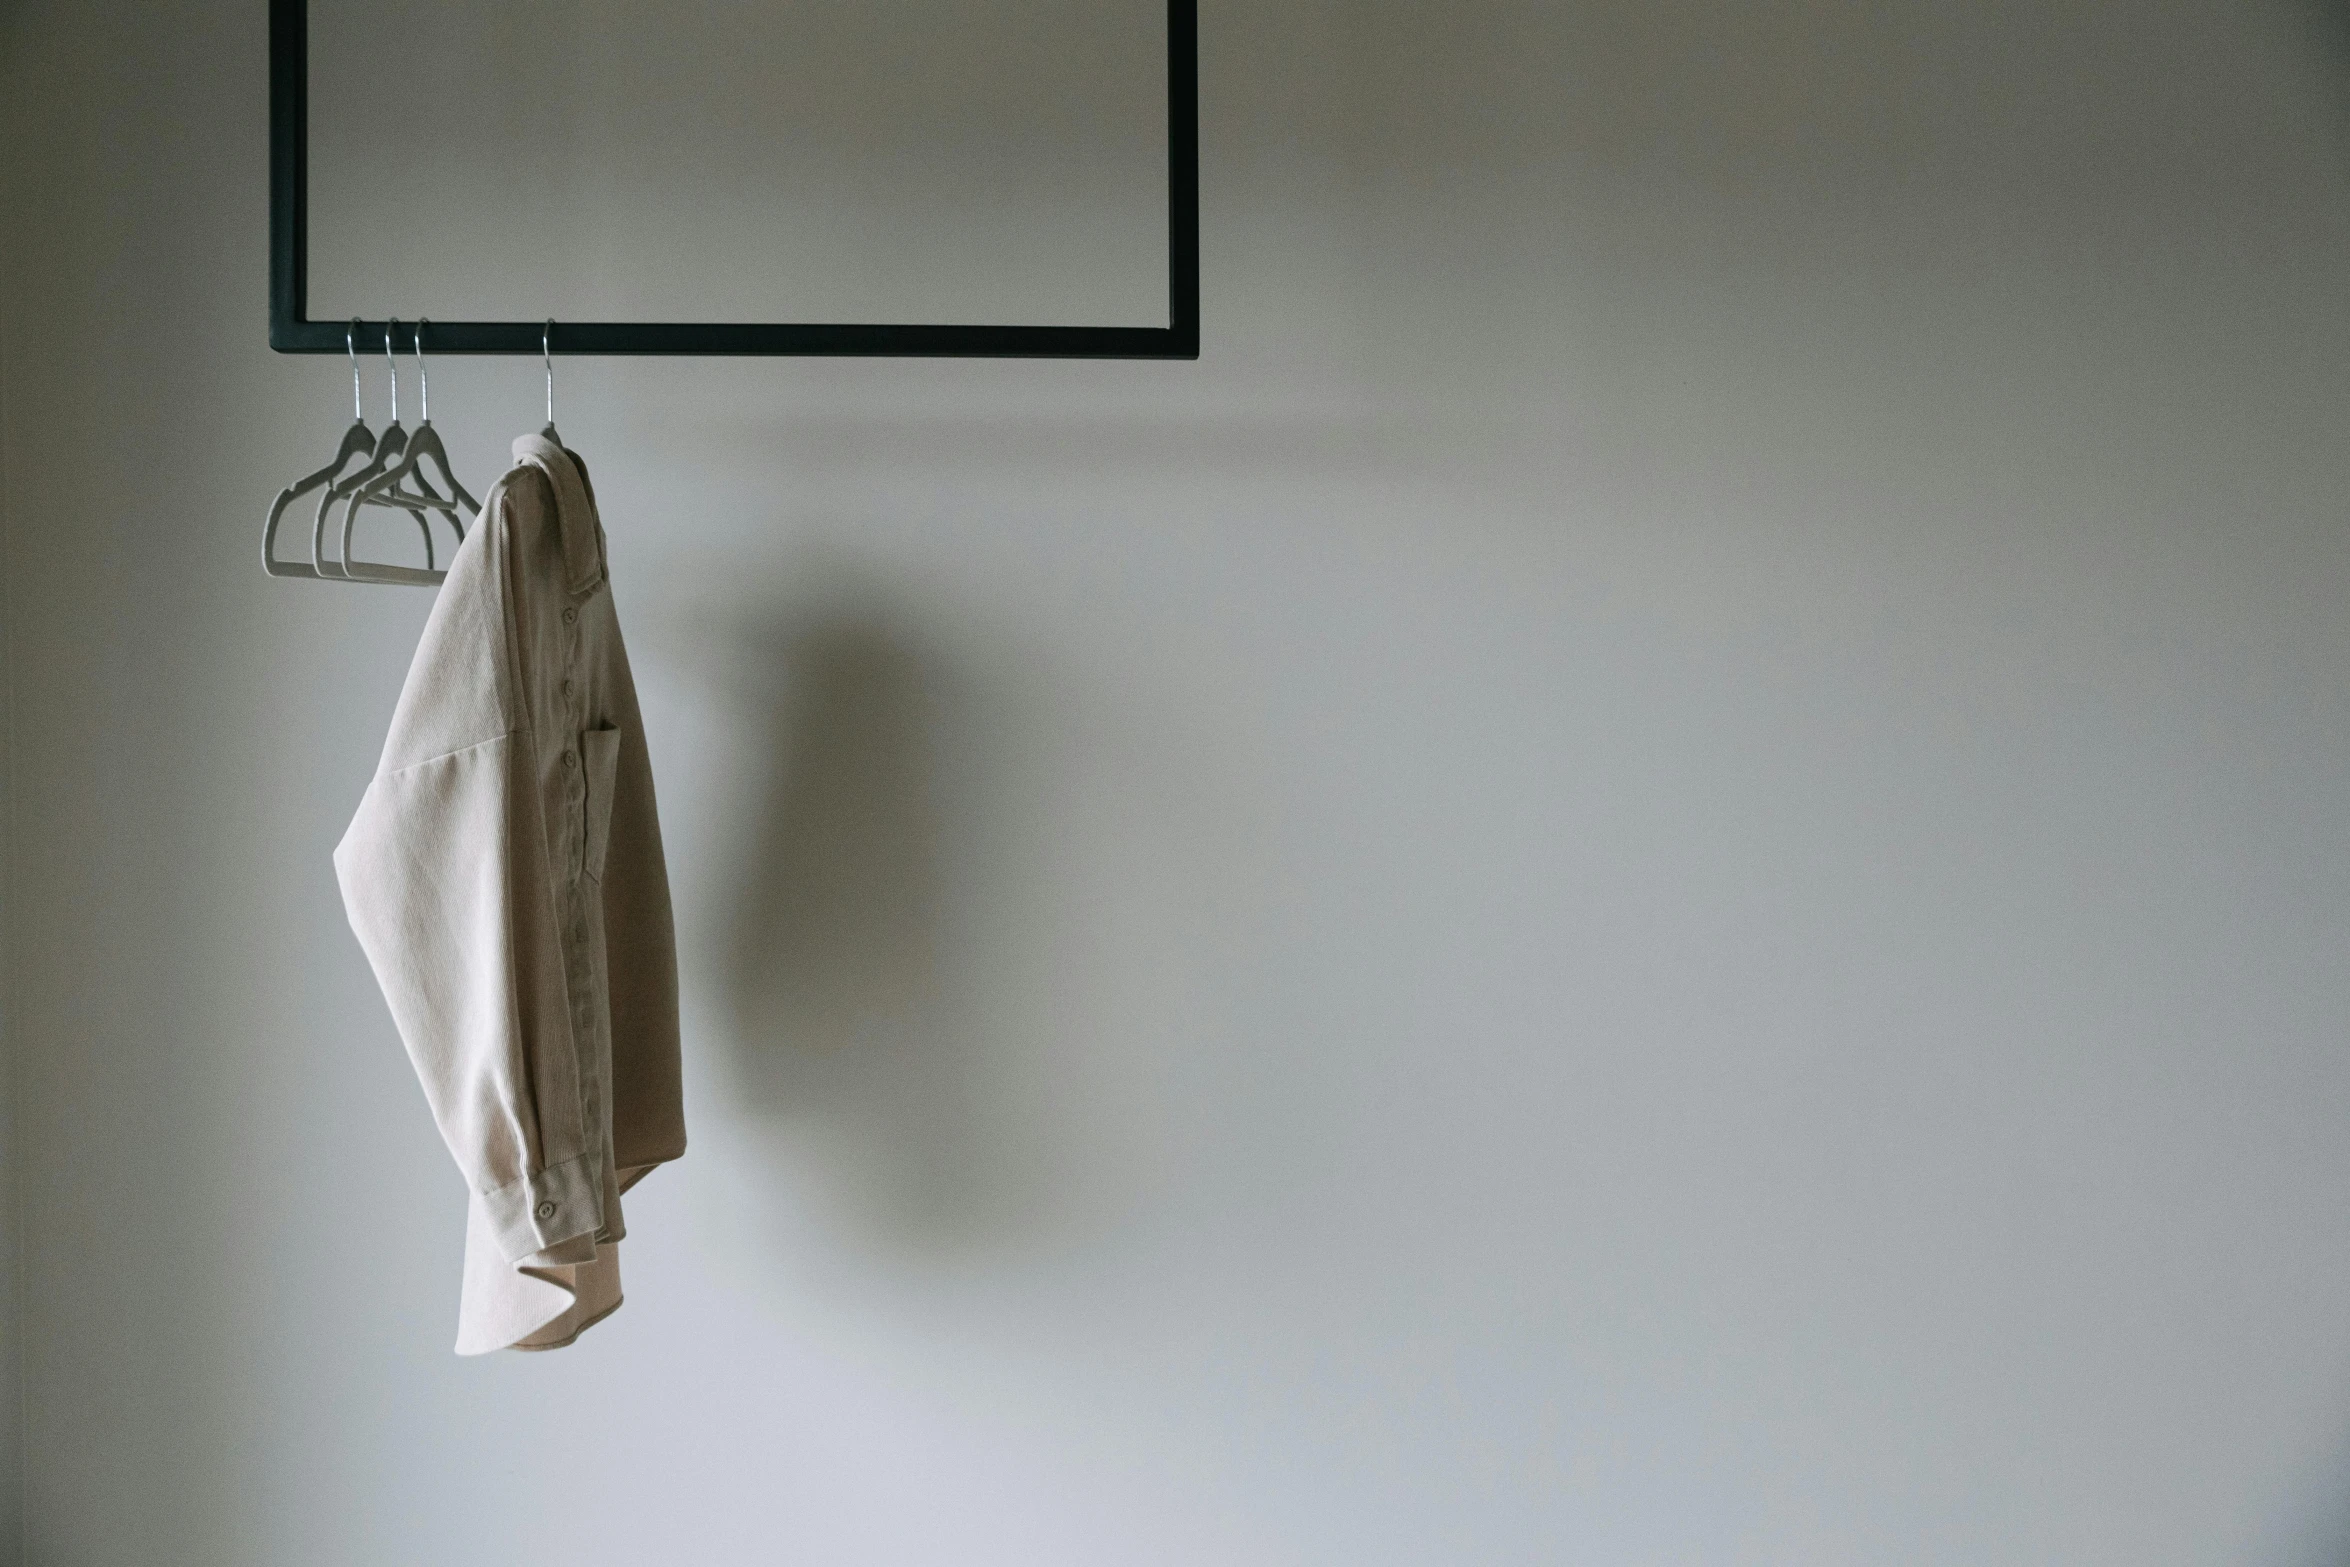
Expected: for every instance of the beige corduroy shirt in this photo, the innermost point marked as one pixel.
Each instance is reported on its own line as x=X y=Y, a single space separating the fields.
x=504 y=875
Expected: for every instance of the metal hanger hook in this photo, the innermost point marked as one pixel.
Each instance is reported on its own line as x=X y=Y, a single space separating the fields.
x=391 y=327
x=423 y=381
x=351 y=347
x=547 y=353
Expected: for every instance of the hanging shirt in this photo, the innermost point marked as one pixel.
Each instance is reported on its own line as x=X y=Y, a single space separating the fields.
x=504 y=875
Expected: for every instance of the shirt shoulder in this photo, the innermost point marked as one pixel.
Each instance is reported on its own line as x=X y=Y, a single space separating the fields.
x=460 y=686
x=520 y=515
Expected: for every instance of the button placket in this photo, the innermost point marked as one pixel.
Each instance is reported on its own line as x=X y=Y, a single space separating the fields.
x=577 y=941
x=578 y=958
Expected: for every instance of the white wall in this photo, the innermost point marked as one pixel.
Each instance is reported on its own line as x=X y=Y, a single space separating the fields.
x=1659 y=874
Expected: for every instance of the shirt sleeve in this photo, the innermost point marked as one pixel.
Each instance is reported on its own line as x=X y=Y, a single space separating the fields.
x=445 y=879
x=442 y=876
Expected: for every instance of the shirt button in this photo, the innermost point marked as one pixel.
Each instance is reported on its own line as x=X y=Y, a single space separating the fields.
x=546 y=1210
x=569 y=760
x=569 y=616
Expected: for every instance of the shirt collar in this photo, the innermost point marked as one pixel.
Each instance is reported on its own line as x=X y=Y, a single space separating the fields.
x=575 y=509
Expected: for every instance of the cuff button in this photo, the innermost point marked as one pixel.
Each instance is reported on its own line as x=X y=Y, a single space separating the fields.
x=546 y=1210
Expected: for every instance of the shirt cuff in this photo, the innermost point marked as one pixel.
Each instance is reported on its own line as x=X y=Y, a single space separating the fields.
x=545 y=1209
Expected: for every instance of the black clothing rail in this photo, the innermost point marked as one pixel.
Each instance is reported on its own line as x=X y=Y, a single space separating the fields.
x=292 y=332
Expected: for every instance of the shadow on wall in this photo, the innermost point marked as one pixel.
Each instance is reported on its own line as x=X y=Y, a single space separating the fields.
x=2316 y=1533
x=880 y=1074
x=966 y=916
x=832 y=967
x=836 y=944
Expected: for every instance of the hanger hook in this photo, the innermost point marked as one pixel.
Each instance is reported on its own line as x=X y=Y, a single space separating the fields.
x=391 y=325
x=351 y=347
x=547 y=352
x=423 y=381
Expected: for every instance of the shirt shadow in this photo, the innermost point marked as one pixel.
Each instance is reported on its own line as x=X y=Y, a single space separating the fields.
x=863 y=1050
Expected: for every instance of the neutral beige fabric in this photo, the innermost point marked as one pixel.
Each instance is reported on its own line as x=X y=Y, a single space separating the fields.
x=504 y=875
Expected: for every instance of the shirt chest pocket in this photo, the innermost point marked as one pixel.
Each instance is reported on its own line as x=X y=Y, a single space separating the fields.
x=599 y=751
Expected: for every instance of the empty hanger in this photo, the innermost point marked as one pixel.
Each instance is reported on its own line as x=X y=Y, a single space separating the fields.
x=388 y=448
x=358 y=441
x=385 y=490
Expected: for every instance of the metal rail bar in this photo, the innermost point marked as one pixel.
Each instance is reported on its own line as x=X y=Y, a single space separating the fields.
x=292 y=332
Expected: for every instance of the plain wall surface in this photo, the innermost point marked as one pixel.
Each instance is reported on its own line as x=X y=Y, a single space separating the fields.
x=716 y=160
x=1659 y=874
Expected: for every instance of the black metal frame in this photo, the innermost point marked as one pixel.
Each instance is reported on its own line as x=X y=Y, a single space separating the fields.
x=291 y=332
